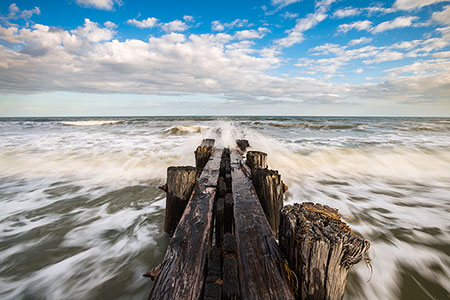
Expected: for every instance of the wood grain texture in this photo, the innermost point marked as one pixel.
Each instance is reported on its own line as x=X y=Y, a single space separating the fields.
x=320 y=249
x=183 y=270
x=261 y=270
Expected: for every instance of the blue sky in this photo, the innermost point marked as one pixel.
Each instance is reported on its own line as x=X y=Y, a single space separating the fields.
x=275 y=57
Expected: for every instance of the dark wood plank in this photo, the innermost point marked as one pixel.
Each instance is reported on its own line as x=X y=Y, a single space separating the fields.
x=261 y=270
x=182 y=274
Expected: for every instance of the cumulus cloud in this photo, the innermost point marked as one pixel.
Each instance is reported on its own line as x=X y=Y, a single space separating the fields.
x=358 y=25
x=346 y=12
x=176 y=25
x=100 y=4
x=147 y=23
x=363 y=40
x=398 y=22
x=16 y=13
x=443 y=16
x=289 y=15
x=412 y=4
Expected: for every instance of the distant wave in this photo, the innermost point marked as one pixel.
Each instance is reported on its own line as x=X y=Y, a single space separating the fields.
x=91 y=122
x=184 y=130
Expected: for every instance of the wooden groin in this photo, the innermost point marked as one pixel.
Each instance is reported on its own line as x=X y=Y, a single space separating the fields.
x=225 y=216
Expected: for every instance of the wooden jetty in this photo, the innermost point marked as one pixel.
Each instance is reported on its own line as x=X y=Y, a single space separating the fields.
x=225 y=215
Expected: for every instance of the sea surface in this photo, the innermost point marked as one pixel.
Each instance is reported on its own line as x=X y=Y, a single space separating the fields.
x=81 y=216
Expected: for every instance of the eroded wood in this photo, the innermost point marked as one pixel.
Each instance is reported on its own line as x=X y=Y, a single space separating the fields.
x=256 y=160
x=183 y=270
x=203 y=152
x=260 y=261
x=320 y=249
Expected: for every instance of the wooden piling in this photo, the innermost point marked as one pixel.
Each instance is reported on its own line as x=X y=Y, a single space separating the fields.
x=320 y=249
x=180 y=183
x=242 y=145
x=256 y=160
x=270 y=189
x=203 y=152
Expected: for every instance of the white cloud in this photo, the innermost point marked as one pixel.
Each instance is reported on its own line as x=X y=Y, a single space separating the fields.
x=250 y=34
x=100 y=4
x=283 y=3
x=289 y=15
x=363 y=40
x=110 y=24
x=295 y=35
x=217 y=26
x=383 y=56
x=358 y=25
x=147 y=23
x=176 y=25
x=411 y=4
x=443 y=16
x=346 y=12
x=398 y=22
x=238 y=23
x=15 y=13
x=188 y=18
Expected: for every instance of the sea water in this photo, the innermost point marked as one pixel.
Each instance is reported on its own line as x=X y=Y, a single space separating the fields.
x=81 y=215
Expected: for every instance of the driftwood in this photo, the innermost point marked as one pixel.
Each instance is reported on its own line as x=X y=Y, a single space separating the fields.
x=179 y=186
x=183 y=270
x=256 y=160
x=270 y=189
x=203 y=152
x=320 y=249
x=262 y=275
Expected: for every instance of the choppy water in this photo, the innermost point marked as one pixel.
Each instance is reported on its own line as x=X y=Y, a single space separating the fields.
x=81 y=216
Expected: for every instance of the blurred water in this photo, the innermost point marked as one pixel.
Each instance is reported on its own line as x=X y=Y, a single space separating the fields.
x=81 y=216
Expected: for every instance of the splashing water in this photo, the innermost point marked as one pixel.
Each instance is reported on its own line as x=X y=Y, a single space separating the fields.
x=82 y=216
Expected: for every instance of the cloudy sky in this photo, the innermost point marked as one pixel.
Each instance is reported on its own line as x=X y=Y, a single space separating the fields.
x=273 y=57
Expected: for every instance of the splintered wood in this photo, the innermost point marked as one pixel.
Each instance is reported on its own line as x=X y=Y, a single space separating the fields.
x=320 y=249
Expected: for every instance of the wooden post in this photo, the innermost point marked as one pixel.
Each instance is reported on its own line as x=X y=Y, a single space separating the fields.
x=180 y=183
x=220 y=224
x=256 y=160
x=261 y=265
x=320 y=249
x=183 y=271
x=270 y=189
x=242 y=145
x=203 y=152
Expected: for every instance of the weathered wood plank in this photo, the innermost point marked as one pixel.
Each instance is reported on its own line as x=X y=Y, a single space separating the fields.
x=183 y=269
x=261 y=270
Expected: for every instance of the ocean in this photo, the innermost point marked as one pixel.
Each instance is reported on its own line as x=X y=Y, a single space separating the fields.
x=82 y=218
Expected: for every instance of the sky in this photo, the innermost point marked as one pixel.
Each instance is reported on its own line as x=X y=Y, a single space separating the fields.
x=273 y=57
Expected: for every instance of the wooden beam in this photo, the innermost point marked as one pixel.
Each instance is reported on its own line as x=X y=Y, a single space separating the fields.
x=261 y=264
x=183 y=270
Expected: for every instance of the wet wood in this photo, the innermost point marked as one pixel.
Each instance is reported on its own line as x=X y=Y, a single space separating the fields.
x=179 y=187
x=203 y=152
x=270 y=189
x=220 y=217
x=230 y=268
x=261 y=271
x=320 y=249
x=242 y=145
x=256 y=160
x=183 y=270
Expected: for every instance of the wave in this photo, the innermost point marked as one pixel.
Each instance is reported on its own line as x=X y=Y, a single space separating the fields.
x=185 y=130
x=91 y=122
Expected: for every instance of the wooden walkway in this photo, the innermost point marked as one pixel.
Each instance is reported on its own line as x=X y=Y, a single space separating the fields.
x=223 y=244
